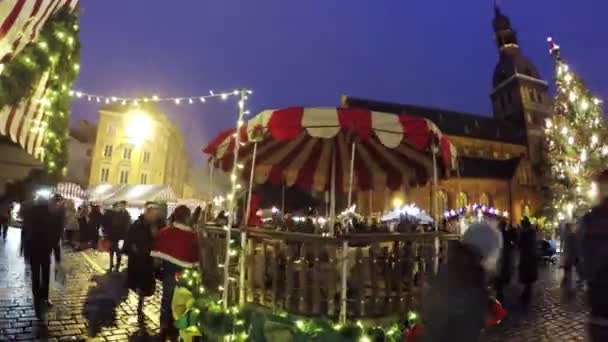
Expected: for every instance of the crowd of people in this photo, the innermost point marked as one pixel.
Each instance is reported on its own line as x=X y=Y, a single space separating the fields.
x=156 y=249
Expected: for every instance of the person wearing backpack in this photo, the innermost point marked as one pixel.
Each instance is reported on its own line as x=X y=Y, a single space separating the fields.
x=593 y=234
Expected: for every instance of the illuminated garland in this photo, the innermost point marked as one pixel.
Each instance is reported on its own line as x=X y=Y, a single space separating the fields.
x=208 y=317
x=475 y=209
x=56 y=51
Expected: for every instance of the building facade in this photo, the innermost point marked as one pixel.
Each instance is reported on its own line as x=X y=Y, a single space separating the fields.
x=80 y=152
x=138 y=145
x=500 y=157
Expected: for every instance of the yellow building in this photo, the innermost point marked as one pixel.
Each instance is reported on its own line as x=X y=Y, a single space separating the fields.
x=138 y=145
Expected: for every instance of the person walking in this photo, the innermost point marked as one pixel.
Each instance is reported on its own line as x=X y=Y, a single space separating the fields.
x=594 y=252
x=95 y=222
x=43 y=223
x=528 y=259
x=505 y=264
x=116 y=226
x=5 y=217
x=71 y=224
x=137 y=246
x=177 y=247
x=457 y=304
x=569 y=254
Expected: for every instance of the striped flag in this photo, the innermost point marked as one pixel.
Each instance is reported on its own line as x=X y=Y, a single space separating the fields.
x=20 y=24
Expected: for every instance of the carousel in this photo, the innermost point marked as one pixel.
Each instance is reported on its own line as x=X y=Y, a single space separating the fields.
x=345 y=277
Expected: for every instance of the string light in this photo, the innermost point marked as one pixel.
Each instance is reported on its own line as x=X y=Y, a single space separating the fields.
x=125 y=100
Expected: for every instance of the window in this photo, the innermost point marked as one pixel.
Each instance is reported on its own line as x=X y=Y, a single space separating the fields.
x=105 y=175
x=462 y=200
x=110 y=130
x=143 y=178
x=124 y=177
x=107 y=151
x=532 y=95
x=442 y=203
x=126 y=153
x=146 y=157
x=539 y=98
x=484 y=199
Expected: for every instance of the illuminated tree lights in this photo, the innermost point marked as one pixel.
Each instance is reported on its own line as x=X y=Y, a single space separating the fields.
x=56 y=51
x=575 y=143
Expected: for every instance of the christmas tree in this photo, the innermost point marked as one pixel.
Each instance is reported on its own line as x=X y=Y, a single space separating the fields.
x=576 y=151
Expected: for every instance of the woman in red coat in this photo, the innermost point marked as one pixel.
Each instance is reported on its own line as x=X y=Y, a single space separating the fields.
x=177 y=247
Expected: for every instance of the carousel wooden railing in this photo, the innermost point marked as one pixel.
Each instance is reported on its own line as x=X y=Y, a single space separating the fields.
x=385 y=274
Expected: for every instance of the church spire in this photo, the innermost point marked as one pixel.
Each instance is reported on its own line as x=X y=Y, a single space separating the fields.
x=506 y=38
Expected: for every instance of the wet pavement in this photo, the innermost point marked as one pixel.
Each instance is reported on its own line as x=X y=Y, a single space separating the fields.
x=550 y=318
x=66 y=319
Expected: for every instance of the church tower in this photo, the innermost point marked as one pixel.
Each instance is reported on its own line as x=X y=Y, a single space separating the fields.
x=519 y=94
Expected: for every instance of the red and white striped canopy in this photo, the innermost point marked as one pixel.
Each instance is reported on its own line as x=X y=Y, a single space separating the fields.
x=20 y=25
x=297 y=146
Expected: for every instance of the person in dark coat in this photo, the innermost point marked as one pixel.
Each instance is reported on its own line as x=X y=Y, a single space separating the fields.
x=138 y=245
x=95 y=222
x=528 y=259
x=457 y=304
x=593 y=237
x=116 y=226
x=43 y=224
x=505 y=264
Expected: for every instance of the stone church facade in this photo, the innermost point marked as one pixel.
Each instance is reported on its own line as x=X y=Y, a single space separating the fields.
x=500 y=157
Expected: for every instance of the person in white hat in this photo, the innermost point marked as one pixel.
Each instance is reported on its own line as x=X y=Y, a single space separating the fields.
x=457 y=304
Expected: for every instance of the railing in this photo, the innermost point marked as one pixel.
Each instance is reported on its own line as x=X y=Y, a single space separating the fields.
x=382 y=274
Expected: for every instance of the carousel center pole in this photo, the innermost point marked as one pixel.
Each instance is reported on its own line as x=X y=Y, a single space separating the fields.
x=332 y=198
x=232 y=196
x=244 y=232
x=351 y=175
x=434 y=149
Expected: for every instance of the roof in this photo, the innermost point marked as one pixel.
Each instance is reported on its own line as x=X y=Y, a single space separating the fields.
x=450 y=122
x=488 y=168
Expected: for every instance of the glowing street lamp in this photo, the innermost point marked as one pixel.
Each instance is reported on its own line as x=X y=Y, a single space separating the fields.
x=139 y=126
x=397 y=202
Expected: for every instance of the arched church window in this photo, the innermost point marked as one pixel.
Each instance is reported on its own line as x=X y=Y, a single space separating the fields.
x=484 y=199
x=442 y=203
x=462 y=200
x=532 y=95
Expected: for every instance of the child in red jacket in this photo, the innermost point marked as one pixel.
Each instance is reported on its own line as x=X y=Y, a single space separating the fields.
x=177 y=246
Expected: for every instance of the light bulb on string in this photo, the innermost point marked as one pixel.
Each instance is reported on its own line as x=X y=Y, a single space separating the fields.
x=584 y=105
x=224 y=96
x=571 y=140
x=572 y=96
x=564 y=130
x=190 y=101
x=177 y=101
x=594 y=140
x=202 y=99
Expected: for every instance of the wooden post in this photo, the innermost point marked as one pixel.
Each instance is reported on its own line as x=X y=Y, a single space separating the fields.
x=344 y=287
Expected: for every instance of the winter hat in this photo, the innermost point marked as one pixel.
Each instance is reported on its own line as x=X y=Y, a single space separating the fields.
x=486 y=239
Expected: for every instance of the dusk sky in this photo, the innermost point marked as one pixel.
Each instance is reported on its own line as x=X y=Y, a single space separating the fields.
x=437 y=53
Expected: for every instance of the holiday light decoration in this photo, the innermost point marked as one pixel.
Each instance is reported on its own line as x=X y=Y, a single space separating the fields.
x=477 y=210
x=136 y=101
x=576 y=149
x=205 y=315
x=54 y=57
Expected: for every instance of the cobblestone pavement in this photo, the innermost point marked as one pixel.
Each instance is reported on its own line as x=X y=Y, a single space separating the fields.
x=66 y=321
x=553 y=316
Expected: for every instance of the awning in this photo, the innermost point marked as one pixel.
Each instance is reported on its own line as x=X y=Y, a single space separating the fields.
x=138 y=195
x=297 y=146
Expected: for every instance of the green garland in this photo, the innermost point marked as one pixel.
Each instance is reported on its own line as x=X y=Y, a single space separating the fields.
x=57 y=51
x=251 y=323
